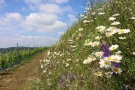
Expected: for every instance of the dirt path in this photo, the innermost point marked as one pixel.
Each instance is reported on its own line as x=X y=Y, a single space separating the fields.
x=17 y=79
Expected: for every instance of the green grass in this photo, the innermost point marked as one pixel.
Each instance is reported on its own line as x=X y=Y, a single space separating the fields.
x=61 y=73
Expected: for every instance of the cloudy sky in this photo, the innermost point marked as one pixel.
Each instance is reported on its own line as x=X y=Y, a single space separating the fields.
x=36 y=22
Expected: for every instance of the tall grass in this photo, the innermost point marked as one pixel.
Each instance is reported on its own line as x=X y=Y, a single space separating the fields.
x=69 y=65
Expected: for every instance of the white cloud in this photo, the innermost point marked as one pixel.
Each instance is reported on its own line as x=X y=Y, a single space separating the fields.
x=41 y=22
x=14 y=16
x=58 y=1
x=40 y=19
x=10 y=19
x=50 y=8
x=72 y=17
x=54 y=8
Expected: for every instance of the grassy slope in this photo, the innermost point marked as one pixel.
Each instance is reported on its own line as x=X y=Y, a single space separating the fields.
x=66 y=69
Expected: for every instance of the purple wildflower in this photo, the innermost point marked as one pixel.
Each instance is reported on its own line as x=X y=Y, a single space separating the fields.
x=62 y=79
x=69 y=75
x=106 y=50
x=72 y=78
x=117 y=65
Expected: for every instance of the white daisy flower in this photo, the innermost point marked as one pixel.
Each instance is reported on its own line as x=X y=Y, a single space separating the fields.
x=118 y=52
x=98 y=54
x=108 y=58
x=104 y=63
x=96 y=43
x=116 y=58
x=86 y=21
x=87 y=43
x=99 y=73
x=98 y=37
x=121 y=31
x=113 y=47
x=87 y=61
x=116 y=70
x=115 y=15
x=115 y=23
x=92 y=57
x=80 y=29
x=112 y=18
x=112 y=29
x=122 y=38
x=101 y=28
x=101 y=13
x=108 y=74
x=109 y=34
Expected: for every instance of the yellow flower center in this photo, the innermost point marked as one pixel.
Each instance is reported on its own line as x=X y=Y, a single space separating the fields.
x=108 y=58
x=113 y=48
x=99 y=54
x=91 y=57
x=115 y=69
x=87 y=61
x=121 y=31
x=98 y=73
x=87 y=43
x=108 y=34
x=116 y=59
x=109 y=74
x=106 y=63
x=111 y=29
x=95 y=44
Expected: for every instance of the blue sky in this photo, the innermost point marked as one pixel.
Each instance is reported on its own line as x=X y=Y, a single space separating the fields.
x=36 y=22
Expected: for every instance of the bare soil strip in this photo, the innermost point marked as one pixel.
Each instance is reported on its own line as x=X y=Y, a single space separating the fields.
x=18 y=78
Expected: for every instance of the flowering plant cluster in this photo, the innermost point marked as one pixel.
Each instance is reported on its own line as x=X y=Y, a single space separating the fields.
x=109 y=63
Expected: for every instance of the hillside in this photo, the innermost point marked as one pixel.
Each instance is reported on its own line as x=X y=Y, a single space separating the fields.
x=97 y=52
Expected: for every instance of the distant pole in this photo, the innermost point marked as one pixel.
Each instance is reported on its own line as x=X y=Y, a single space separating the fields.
x=17 y=44
x=28 y=45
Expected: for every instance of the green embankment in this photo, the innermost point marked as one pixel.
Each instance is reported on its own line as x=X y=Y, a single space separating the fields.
x=76 y=61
